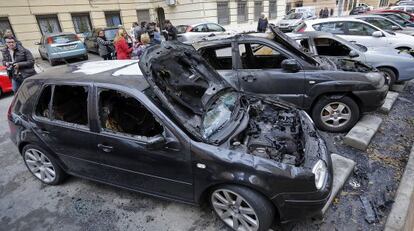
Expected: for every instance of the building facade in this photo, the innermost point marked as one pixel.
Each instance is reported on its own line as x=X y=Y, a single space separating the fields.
x=29 y=19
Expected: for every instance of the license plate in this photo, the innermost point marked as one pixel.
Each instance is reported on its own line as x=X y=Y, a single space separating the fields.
x=68 y=47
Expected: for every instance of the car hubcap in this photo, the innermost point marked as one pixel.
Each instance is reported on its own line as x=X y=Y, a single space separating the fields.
x=40 y=165
x=335 y=114
x=234 y=210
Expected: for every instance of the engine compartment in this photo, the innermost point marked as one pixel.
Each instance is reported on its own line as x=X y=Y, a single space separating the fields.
x=272 y=132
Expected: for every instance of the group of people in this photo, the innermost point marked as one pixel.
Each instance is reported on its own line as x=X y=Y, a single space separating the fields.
x=132 y=46
x=325 y=12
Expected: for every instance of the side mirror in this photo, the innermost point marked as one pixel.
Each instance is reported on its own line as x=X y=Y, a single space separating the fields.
x=156 y=142
x=290 y=65
x=37 y=43
x=377 y=34
x=353 y=54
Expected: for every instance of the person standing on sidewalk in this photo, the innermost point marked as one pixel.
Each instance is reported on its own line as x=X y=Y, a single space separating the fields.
x=123 y=51
x=262 y=24
x=170 y=32
x=105 y=47
x=18 y=60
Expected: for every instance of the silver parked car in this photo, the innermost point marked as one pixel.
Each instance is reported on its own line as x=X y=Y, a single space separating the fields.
x=191 y=33
x=397 y=65
x=385 y=24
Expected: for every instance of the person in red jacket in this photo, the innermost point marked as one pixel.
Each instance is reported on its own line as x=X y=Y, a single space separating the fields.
x=123 y=51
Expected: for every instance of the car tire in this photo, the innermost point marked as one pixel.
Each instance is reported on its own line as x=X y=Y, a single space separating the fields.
x=239 y=207
x=42 y=165
x=326 y=116
x=389 y=73
x=85 y=57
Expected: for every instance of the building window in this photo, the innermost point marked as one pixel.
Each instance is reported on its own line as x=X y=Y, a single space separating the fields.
x=4 y=25
x=113 y=18
x=223 y=13
x=48 y=24
x=143 y=15
x=82 y=23
x=272 y=9
x=258 y=9
x=242 y=11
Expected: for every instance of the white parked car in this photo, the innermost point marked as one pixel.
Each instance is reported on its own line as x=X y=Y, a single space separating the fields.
x=192 y=33
x=292 y=20
x=409 y=8
x=358 y=31
x=365 y=6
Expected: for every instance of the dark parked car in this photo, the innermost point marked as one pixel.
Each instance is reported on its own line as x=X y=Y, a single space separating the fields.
x=90 y=40
x=334 y=91
x=358 y=10
x=178 y=132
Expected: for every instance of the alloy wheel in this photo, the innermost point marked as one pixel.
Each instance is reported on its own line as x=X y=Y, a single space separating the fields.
x=40 y=165
x=336 y=114
x=234 y=210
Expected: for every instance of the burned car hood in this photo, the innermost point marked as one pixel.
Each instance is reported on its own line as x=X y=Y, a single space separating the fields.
x=344 y=64
x=183 y=81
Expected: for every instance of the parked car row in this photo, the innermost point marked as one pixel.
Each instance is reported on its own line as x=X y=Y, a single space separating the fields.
x=224 y=120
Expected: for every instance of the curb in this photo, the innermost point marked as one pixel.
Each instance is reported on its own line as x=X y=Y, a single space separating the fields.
x=361 y=134
x=401 y=217
x=389 y=102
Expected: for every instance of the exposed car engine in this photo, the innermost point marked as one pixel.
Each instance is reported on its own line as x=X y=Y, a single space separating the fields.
x=273 y=133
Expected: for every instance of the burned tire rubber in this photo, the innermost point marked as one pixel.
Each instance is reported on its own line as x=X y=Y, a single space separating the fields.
x=42 y=165
x=241 y=208
x=335 y=114
x=389 y=73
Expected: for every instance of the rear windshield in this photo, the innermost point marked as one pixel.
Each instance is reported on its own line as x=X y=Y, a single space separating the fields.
x=110 y=34
x=62 y=39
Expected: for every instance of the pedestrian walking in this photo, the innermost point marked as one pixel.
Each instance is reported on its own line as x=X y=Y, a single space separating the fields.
x=123 y=51
x=325 y=13
x=18 y=60
x=105 y=47
x=262 y=24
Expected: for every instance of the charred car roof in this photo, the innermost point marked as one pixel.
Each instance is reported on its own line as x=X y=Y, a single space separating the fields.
x=125 y=73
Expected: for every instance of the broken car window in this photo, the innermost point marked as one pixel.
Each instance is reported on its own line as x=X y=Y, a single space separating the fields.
x=42 y=107
x=218 y=57
x=123 y=114
x=70 y=104
x=330 y=47
x=259 y=56
x=218 y=115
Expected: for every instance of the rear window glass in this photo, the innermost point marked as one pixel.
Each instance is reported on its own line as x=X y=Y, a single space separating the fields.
x=181 y=29
x=62 y=39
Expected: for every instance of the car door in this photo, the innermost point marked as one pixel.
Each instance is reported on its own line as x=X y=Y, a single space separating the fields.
x=139 y=151
x=362 y=33
x=260 y=72
x=215 y=29
x=61 y=120
x=197 y=33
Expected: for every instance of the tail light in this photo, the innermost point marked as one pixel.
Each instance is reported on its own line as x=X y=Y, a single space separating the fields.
x=189 y=28
x=49 y=40
x=302 y=29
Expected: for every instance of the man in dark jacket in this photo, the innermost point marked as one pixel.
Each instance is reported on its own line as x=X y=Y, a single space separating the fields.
x=170 y=32
x=262 y=24
x=19 y=60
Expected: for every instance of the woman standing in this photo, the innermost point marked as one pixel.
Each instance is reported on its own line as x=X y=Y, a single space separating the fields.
x=104 y=46
x=123 y=51
x=140 y=48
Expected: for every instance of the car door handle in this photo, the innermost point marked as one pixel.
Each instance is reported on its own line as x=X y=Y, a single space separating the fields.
x=105 y=148
x=249 y=78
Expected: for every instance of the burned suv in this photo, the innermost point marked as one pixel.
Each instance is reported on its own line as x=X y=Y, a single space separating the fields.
x=175 y=130
x=334 y=91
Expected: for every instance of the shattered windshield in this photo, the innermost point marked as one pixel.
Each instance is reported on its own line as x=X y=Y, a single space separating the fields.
x=219 y=114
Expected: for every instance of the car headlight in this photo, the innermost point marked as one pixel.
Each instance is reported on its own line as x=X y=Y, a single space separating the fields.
x=320 y=171
x=377 y=78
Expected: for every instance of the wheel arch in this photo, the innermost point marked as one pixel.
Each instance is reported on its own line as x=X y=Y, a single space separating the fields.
x=336 y=95
x=395 y=70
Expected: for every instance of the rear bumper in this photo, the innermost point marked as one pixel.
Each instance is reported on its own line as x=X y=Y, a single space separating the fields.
x=68 y=54
x=373 y=99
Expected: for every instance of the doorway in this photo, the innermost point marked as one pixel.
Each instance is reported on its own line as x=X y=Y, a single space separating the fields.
x=161 y=17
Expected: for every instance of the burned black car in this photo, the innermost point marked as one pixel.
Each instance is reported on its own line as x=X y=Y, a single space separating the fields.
x=334 y=91
x=175 y=130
